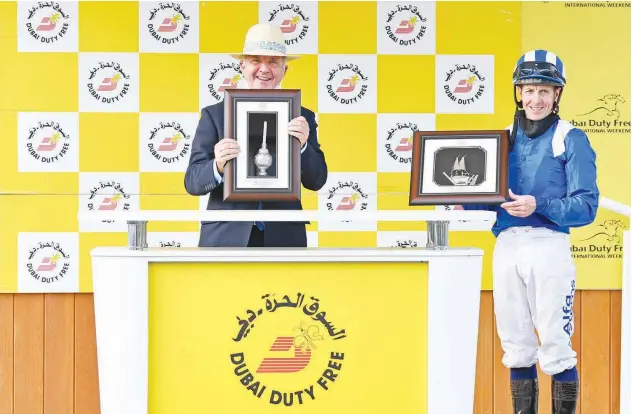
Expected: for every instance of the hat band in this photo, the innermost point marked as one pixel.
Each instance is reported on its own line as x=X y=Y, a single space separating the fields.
x=264 y=45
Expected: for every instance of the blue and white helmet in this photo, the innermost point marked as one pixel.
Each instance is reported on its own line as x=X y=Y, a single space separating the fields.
x=539 y=67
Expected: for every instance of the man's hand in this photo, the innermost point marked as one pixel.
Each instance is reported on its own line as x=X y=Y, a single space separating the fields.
x=523 y=206
x=299 y=128
x=225 y=150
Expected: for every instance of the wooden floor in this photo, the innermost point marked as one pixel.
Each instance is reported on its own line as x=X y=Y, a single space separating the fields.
x=48 y=355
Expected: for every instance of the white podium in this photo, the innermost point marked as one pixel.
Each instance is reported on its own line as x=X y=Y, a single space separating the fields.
x=121 y=298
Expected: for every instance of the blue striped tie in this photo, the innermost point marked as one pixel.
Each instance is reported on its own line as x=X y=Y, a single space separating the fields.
x=259 y=223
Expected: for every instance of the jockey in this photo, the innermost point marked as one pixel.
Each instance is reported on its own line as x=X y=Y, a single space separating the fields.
x=552 y=188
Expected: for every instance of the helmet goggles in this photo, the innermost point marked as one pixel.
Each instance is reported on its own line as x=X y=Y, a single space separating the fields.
x=538 y=73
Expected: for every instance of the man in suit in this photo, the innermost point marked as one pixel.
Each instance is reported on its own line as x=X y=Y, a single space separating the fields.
x=263 y=64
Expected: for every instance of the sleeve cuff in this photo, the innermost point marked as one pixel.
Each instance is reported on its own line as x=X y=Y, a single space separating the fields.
x=541 y=204
x=218 y=178
x=304 y=148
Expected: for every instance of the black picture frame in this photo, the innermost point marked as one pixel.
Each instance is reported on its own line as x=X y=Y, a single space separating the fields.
x=446 y=164
x=258 y=115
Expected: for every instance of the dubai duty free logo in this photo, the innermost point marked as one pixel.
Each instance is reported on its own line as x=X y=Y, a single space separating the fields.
x=464 y=84
x=292 y=22
x=108 y=82
x=168 y=143
x=47 y=142
x=167 y=23
x=347 y=84
x=223 y=76
x=47 y=22
x=352 y=197
x=399 y=142
x=404 y=25
x=47 y=262
x=300 y=335
x=108 y=196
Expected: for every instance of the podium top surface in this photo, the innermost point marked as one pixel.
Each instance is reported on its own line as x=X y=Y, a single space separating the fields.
x=315 y=254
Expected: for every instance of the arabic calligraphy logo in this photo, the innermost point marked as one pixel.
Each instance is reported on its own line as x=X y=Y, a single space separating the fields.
x=167 y=23
x=464 y=84
x=108 y=196
x=47 y=142
x=405 y=25
x=346 y=84
x=405 y=244
x=292 y=350
x=47 y=262
x=112 y=82
x=347 y=199
x=171 y=243
x=168 y=143
x=292 y=21
x=47 y=22
x=399 y=142
x=223 y=76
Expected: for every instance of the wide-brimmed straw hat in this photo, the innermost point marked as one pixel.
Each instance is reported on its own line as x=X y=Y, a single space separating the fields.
x=264 y=40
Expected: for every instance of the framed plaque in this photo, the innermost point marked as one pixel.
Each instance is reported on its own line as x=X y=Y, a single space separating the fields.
x=268 y=167
x=459 y=167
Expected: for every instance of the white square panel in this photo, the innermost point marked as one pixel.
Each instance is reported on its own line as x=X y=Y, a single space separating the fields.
x=464 y=84
x=48 y=142
x=350 y=192
x=169 y=27
x=298 y=22
x=347 y=84
x=395 y=139
x=406 y=28
x=165 y=141
x=48 y=262
x=108 y=82
x=218 y=72
x=105 y=192
x=48 y=26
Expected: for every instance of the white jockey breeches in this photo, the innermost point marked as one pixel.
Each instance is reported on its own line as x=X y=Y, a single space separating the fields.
x=534 y=287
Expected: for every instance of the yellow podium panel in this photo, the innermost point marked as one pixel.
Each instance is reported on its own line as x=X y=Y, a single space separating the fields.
x=302 y=337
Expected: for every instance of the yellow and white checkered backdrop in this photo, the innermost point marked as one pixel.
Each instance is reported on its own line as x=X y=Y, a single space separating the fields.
x=100 y=101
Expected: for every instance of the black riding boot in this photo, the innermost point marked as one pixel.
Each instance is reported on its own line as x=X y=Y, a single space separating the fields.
x=564 y=396
x=525 y=396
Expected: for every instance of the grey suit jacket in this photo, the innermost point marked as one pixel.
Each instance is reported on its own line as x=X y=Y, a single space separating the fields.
x=199 y=180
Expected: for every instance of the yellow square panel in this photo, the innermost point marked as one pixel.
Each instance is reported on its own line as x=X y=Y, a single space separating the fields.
x=302 y=74
x=108 y=26
x=169 y=82
x=89 y=241
x=342 y=239
x=223 y=25
x=42 y=82
x=349 y=141
x=39 y=213
x=8 y=30
x=393 y=191
x=109 y=142
x=499 y=23
x=347 y=27
x=165 y=191
x=400 y=94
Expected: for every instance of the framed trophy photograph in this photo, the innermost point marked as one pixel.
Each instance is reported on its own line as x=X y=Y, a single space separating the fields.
x=268 y=167
x=459 y=167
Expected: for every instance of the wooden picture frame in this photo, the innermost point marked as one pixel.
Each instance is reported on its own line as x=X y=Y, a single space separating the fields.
x=459 y=167
x=247 y=114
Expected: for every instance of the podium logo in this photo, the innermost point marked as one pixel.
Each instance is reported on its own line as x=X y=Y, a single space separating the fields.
x=302 y=339
x=292 y=21
x=223 y=76
x=168 y=143
x=346 y=84
x=108 y=196
x=347 y=196
x=605 y=116
x=47 y=142
x=47 y=262
x=405 y=25
x=46 y=22
x=464 y=84
x=604 y=243
x=399 y=142
x=167 y=23
x=108 y=83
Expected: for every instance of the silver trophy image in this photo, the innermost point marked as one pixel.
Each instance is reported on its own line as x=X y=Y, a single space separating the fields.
x=263 y=159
